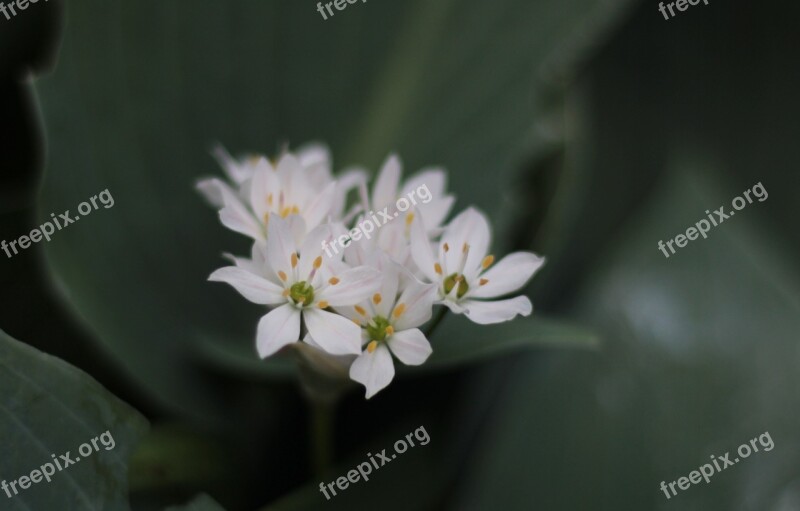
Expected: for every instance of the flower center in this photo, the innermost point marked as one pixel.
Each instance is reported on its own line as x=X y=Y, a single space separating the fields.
x=302 y=293
x=379 y=329
x=451 y=281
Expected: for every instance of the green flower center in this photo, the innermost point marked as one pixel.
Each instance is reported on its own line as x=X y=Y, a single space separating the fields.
x=451 y=281
x=302 y=293
x=377 y=328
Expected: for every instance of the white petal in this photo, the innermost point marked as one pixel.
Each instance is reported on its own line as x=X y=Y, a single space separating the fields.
x=390 y=281
x=254 y=288
x=373 y=370
x=470 y=227
x=410 y=346
x=277 y=329
x=320 y=206
x=209 y=189
x=509 y=274
x=421 y=250
x=418 y=300
x=346 y=182
x=333 y=333
x=385 y=191
x=280 y=246
x=486 y=313
x=236 y=172
x=355 y=285
x=432 y=179
x=235 y=215
x=314 y=246
x=263 y=184
x=435 y=212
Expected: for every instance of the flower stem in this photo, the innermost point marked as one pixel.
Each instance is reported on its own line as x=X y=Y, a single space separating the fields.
x=436 y=320
x=321 y=432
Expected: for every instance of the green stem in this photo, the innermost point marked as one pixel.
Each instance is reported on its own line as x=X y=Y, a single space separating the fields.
x=436 y=320
x=321 y=432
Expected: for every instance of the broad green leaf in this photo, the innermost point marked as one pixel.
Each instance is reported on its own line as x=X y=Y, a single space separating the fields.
x=143 y=89
x=460 y=341
x=199 y=503
x=48 y=407
x=701 y=357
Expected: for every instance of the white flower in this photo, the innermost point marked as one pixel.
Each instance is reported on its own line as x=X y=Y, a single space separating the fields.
x=299 y=184
x=388 y=320
x=386 y=192
x=461 y=269
x=301 y=283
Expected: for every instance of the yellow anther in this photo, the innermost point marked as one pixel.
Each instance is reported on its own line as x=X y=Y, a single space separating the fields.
x=266 y=219
x=357 y=322
x=483 y=282
x=372 y=346
x=360 y=310
x=285 y=293
x=465 y=248
x=409 y=218
x=446 y=247
x=376 y=298
x=295 y=210
x=269 y=200
x=389 y=330
x=437 y=268
x=459 y=278
x=294 y=259
x=282 y=276
x=318 y=262
x=333 y=281
x=399 y=309
x=487 y=261
x=323 y=304
x=285 y=211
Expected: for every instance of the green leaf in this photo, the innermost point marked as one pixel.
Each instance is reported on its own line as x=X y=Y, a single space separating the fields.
x=143 y=89
x=461 y=342
x=51 y=408
x=702 y=349
x=199 y=503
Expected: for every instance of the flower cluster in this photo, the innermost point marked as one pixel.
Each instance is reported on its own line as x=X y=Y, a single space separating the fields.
x=366 y=303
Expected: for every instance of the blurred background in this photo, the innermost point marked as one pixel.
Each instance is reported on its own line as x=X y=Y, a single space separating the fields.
x=588 y=130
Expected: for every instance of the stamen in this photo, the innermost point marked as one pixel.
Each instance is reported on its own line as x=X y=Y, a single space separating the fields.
x=295 y=210
x=359 y=309
x=437 y=268
x=376 y=298
x=269 y=200
x=357 y=322
x=282 y=276
x=446 y=247
x=409 y=219
x=399 y=309
x=389 y=330
x=371 y=346
x=323 y=304
x=285 y=293
x=294 y=259
x=318 y=262
x=285 y=211
x=459 y=278
x=487 y=261
x=483 y=282
x=333 y=281
x=266 y=218
x=465 y=248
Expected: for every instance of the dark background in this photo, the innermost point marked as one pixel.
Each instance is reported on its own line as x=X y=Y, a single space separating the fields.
x=654 y=122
